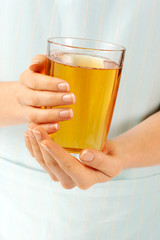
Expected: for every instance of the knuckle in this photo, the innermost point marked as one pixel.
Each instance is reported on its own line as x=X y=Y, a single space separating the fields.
x=50 y=116
x=67 y=166
x=41 y=162
x=53 y=98
x=52 y=164
x=31 y=125
x=32 y=117
x=22 y=94
x=23 y=76
x=19 y=97
x=50 y=85
x=45 y=141
x=34 y=99
x=35 y=83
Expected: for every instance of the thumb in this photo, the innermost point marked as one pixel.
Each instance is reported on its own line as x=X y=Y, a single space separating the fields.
x=38 y=63
x=109 y=165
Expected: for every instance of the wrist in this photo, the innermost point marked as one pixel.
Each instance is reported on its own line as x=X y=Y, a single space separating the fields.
x=139 y=146
x=124 y=151
x=13 y=112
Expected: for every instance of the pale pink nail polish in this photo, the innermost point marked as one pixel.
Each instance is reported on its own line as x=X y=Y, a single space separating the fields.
x=53 y=126
x=31 y=134
x=87 y=156
x=69 y=98
x=37 y=134
x=44 y=146
x=66 y=113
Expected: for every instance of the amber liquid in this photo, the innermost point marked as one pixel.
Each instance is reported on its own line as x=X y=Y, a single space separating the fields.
x=95 y=83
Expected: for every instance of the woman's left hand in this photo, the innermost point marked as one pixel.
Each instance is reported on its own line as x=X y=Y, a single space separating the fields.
x=96 y=166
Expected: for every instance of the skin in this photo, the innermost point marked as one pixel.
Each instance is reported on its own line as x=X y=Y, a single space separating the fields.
x=138 y=147
x=32 y=91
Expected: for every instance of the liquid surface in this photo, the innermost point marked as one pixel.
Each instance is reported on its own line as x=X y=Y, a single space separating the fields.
x=95 y=83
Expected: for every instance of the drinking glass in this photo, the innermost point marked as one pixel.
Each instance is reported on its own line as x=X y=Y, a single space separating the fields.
x=93 y=70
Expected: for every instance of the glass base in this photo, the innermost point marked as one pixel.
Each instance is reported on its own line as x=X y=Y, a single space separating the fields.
x=73 y=150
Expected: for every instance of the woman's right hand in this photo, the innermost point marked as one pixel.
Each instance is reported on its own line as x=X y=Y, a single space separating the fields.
x=36 y=90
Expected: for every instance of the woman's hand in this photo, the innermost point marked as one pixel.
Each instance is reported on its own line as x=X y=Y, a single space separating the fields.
x=36 y=90
x=138 y=147
x=96 y=166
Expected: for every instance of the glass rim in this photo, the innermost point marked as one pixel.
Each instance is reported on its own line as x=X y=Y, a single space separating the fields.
x=122 y=49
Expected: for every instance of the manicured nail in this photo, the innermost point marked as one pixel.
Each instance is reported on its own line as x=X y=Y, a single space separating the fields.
x=44 y=146
x=53 y=126
x=37 y=134
x=31 y=133
x=69 y=98
x=87 y=156
x=66 y=113
x=35 y=61
x=63 y=86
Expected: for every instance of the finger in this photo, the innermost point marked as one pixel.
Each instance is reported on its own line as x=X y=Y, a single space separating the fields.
x=38 y=63
x=41 y=82
x=50 y=128
x=36 y=149
x=38 y=154
x=28 y=144
x=65 y=180
x=41 y=116
x=83 y=176
x=44 y=98
x=109 y=165
x=50 y=162
x=94 y=175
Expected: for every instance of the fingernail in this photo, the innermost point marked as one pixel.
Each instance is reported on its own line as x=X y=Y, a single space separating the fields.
x=44 y=146
x=63 y=86
x=37 y=134
x=66 y=113
x=69 y=98
x=35 y=61
x=53 y=126
x=31 y=133
x=87 y=156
